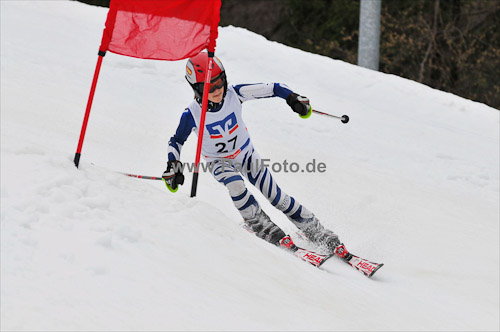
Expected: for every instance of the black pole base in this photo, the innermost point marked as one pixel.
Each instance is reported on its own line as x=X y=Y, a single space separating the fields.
x=77 y=159
x=195 y=184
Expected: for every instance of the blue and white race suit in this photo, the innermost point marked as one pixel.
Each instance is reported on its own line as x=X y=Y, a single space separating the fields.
x=227 y=145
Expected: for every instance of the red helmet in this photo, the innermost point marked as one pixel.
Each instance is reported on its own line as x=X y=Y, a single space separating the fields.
x=195 y=73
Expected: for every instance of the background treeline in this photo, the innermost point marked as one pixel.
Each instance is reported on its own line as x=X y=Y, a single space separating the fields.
x=451 y=45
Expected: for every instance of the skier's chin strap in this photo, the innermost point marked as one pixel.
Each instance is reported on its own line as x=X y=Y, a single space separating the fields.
x=211 y=106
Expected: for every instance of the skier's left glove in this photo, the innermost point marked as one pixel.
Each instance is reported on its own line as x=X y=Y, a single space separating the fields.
x=299 y=104
x=173 y=176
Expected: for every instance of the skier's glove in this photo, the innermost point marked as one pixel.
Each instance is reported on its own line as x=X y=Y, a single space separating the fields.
x=299 y=104
x=173 y=176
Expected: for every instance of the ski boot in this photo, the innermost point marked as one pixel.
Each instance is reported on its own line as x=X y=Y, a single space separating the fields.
x=325 y=239
x=262 y=226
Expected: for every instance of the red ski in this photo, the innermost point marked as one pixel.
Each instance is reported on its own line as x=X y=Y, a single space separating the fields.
x=364 y=266
x=307 y=255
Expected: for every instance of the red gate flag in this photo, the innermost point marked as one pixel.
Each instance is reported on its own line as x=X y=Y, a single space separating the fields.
x=161 y=29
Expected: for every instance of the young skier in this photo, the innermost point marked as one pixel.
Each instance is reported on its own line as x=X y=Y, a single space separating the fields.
x=227 y=145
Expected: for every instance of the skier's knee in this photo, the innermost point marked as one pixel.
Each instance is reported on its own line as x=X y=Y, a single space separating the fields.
x=236 y=188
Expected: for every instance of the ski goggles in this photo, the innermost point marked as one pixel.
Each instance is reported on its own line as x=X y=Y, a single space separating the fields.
x=217 y=83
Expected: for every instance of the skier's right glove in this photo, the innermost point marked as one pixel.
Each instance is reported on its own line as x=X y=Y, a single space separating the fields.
x=299 y=104
x=173 y=176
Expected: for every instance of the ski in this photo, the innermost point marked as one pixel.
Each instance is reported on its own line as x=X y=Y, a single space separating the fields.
x=306 y=255
x=364 y=266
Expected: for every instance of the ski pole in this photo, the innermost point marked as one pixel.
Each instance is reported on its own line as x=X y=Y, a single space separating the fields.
x=146 y=177
x=142 y=176
x=343 y=118
x=151 y=178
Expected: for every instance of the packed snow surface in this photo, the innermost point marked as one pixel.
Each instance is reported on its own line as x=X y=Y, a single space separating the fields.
x=411 y=181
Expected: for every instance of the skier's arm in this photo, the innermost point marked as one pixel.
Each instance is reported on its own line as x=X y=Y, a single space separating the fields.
x=299 y=104
x=247 y=92
x=173 y=176
x=183 y=131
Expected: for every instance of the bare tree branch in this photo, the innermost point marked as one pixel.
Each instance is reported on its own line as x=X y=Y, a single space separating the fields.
x=432 y=42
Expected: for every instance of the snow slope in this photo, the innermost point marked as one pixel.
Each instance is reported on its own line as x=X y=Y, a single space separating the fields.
x=411 y=181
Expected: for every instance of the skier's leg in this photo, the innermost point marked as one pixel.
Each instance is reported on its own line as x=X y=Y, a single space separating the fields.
x=225 y=173
x=261 y=177
x=298 y=214
x=243 y=200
